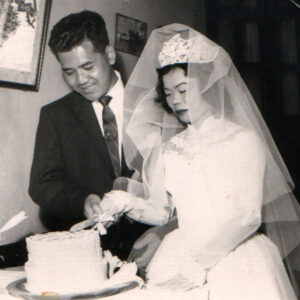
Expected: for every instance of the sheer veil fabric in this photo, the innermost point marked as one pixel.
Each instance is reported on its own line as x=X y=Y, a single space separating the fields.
x=212 y=79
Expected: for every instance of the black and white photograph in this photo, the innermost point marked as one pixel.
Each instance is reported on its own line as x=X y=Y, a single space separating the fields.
x=149 y=149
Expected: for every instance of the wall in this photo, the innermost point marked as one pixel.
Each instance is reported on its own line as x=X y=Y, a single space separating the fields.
x=19 y=110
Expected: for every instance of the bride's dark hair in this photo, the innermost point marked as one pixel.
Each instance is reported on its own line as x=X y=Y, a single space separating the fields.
x=161 y=96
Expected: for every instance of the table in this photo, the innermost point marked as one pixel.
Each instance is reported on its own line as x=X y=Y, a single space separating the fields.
x=9 y=275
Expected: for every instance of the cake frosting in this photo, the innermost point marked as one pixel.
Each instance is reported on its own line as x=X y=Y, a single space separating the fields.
x=65 y=262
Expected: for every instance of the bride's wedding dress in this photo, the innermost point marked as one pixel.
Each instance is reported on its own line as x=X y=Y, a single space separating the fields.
x=215 y=176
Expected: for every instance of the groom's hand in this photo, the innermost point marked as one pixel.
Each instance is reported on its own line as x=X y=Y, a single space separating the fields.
x=92 y=206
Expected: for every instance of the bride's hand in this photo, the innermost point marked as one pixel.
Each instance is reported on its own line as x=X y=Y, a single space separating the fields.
x=115 y=203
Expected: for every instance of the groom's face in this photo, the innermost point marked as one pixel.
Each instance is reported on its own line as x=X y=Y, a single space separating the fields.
x=86 y=71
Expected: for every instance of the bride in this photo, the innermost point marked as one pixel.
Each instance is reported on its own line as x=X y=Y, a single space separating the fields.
x=202 y=152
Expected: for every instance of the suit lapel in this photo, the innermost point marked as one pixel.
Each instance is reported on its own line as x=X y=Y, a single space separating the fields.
x=84 y=112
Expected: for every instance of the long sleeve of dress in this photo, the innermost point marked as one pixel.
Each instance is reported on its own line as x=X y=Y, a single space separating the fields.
x=147 y=211
x=235 y=191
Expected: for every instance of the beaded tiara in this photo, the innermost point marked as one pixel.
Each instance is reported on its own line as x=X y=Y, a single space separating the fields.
x=179 y=50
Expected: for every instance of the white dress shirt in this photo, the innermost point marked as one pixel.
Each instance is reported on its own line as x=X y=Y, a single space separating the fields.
x=116 y=105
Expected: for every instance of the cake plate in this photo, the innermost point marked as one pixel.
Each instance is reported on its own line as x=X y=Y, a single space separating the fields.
x=18 y=289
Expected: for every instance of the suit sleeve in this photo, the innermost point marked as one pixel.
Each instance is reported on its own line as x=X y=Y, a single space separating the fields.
x=50 y=186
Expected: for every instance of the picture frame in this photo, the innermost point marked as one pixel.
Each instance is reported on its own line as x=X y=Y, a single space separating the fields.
x=23 y=33
x=131 y=35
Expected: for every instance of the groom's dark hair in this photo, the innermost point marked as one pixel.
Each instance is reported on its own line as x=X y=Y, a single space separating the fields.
x=73 y=29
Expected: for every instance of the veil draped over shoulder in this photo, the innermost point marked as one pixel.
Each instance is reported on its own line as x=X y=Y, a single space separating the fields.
x=213 y=79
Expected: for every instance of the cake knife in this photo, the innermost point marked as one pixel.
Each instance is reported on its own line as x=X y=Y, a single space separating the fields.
x=84 y=224
x=96 y=222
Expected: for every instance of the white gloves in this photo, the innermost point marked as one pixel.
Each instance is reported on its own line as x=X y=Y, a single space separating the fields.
x=116 y=203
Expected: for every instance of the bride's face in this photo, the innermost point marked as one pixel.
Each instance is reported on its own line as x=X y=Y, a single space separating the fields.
x=175 y=88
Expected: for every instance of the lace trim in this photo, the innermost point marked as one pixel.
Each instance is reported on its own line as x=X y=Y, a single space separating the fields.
x=192 y=140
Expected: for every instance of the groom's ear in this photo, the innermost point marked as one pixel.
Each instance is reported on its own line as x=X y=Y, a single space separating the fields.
x=110 y=54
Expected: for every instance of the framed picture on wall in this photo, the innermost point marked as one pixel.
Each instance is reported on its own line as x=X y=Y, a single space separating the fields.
x=131 y=35
x=23 y=30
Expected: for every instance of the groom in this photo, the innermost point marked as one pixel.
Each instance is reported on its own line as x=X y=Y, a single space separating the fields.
x=78 y=148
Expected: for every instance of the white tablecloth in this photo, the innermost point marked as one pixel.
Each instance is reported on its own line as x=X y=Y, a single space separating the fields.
x=8 y=276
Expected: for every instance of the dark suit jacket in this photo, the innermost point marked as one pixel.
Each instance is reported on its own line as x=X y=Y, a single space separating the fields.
x=70 y=161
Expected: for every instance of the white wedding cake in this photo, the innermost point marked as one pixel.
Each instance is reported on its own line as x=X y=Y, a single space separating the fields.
x=65 y=262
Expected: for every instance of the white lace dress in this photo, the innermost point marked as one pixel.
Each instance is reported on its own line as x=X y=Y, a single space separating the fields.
x=215 y=176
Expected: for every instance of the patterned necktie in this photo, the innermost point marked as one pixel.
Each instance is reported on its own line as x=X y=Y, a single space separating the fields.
x=111 y=133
